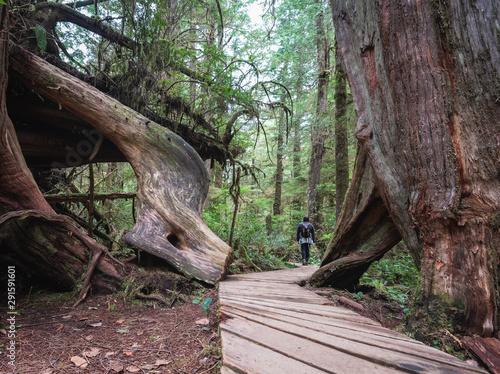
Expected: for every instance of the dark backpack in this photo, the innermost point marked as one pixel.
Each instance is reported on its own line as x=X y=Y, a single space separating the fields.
x=306 y=232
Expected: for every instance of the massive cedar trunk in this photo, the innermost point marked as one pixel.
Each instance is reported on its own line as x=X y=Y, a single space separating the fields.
x=425 y=83
x=172 y=179
x=32 y=235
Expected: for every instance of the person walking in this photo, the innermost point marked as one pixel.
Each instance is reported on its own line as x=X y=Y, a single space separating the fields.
x=305 y=237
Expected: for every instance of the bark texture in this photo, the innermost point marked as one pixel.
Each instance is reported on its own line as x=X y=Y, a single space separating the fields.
x=172 y=179
x=341 y=147
x=363 y=234
x=426 y=86
x=318 y=132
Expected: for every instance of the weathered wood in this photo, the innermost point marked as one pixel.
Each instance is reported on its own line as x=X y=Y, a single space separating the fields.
x=33 y=238
x=276 y=326
x=72 y=198
x=172 y=179
x=364 y=232
x=245 y=356
x=487 y=349
x=300 y=347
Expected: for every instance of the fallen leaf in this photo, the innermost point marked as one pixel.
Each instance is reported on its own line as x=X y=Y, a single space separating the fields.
x=120 y=320
x=122 y=331
x=162 y=362
x=127 y=353
x=135 y=345
x=47 y=371
x=97 y=324
x=3 y=331
x=79 y=362
x=68 y=316
x=116 y=366
x=94 y=351
x=108 y=354
x=148 y=367
x=92 y=307
x=133 y=369
x=203 y=321
x=89 y=338
x=83 y=318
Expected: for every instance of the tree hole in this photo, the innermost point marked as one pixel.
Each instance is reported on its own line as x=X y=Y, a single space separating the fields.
x=174 y=240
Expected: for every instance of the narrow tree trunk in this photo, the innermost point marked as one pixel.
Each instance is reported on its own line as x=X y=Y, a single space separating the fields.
x=341 y=148
x=279 y=166
x=425 y=83
x=172 y=179
x=318 y=132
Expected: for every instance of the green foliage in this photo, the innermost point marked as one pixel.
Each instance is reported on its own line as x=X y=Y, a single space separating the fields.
x=395 y=275
x=41 y=38
x=204 y=304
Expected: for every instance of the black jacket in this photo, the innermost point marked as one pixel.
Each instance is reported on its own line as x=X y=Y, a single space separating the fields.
x=305 y=224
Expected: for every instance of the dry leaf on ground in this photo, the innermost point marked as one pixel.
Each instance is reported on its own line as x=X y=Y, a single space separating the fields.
x=79 y=362
x=93 y=352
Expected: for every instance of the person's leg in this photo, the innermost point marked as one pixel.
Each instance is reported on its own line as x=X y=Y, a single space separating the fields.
x=307 y=253
x=303 y=249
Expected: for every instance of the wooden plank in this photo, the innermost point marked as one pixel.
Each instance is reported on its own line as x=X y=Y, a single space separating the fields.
x=293 y=348
x=244 y=356
x=487 y=349
x=359 y=354
x=346 y=326
x=319 y=310
x=271 y=325
x=226 y=370
x=285 y=275
x=406 y=346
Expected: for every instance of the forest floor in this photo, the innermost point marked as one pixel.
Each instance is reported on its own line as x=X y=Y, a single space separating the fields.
x=106 y=334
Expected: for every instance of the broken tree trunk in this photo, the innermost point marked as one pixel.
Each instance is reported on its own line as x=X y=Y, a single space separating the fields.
x=364 y=232
x=424 y=79
x=32 y=236
x=172 y=179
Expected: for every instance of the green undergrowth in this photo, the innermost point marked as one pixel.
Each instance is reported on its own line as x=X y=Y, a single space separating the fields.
x=395 y=275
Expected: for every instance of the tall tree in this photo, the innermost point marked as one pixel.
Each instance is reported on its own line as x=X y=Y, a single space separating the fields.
x=341 y=147
x=425 y=83
x=318 y=131
x=279 y=164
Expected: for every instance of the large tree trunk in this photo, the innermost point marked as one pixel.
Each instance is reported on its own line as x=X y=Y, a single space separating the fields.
x=341 y=147
x=425 y=82
x=364 y=232
x=32 y=235
x=172 y=179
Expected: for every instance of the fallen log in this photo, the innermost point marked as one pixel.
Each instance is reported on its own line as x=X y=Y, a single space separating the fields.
x=73 y=198
x=172 y=179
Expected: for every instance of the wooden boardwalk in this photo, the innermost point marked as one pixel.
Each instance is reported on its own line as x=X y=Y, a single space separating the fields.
x=270 y=325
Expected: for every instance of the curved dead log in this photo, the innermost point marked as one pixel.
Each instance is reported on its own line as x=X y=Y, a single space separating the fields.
x=364 y=233
x=172 y=179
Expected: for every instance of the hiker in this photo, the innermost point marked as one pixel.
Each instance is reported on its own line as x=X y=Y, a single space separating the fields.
x=305 y=237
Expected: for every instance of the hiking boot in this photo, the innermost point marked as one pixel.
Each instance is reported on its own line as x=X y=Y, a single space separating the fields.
x=304 y=262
